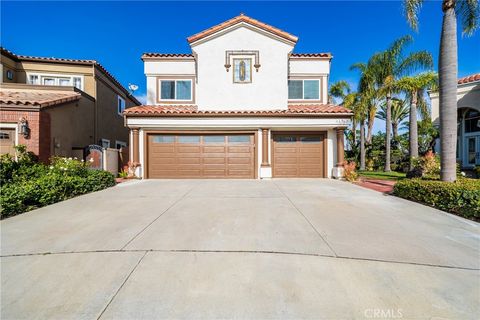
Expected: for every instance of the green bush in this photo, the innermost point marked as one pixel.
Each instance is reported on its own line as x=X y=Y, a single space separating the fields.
x=461 y=197
x=27 y=185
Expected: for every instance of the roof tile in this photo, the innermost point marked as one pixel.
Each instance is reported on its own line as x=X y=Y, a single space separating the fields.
x=40 y=98
x=469 y=79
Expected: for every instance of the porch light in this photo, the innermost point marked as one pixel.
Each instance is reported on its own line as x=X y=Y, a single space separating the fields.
x=24 y=129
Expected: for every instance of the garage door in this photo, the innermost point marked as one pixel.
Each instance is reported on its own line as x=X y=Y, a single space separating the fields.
x=299 y=155
x=201 y=156
x=7 y=141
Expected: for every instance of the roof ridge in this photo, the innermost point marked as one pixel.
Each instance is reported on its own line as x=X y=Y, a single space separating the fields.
x=470 y=78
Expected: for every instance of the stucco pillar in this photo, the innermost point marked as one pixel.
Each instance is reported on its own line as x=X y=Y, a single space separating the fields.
x=338 y=170
x=265 y=160
x=135 y=146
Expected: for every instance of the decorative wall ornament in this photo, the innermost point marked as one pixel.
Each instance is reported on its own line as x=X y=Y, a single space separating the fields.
x=230 y=53
x=242 y=70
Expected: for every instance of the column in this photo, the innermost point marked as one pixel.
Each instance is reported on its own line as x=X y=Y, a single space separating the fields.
x=340 y=148
x=265 y=162
x=135 y=146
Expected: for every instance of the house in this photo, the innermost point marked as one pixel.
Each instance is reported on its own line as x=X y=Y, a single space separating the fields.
x=56 y=107
x=240 y=105
x=468 y=120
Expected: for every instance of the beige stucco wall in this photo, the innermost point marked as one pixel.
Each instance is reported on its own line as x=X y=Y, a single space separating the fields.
x=8 y=64
x=71 y=126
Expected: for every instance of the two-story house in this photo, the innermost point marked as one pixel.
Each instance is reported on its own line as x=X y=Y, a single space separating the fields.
x=56 y=107
x=468 y=120
x=240 y=105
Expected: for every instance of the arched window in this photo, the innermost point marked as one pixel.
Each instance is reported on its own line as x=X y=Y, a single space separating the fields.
x=472 y=121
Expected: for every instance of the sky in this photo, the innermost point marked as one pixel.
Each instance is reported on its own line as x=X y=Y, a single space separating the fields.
x=116 y=33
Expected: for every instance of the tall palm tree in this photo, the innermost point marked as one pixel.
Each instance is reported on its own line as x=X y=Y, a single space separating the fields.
x=390 y=65
x=469 y=12
x=341 y=90
x=369 y=94
x=399 y=112
x=415 y=88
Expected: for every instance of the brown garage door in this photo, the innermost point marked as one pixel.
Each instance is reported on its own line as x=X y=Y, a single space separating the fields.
x=299 y=155
x=201 y=156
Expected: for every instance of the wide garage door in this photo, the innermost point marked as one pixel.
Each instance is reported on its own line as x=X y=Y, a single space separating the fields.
x=299 y=155
x=201 y=156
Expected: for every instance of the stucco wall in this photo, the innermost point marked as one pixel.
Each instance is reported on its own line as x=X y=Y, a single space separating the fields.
x=268 y=89
x=468 y=96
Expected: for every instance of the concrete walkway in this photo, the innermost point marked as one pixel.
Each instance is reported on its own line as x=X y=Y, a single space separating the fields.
x=277 y=249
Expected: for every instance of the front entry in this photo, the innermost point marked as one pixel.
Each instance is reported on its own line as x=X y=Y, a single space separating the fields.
x=472 y=155
x=301 y=155
x=201 y=156
x=7 y=141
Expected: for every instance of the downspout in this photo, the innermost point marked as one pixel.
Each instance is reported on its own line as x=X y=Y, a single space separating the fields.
x=95 y=106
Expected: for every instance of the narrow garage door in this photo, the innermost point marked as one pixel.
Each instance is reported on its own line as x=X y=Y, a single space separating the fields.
x=299 y=155
x=201 y=156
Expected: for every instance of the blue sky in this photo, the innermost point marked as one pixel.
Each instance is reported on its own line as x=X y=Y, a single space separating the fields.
x=117 y=33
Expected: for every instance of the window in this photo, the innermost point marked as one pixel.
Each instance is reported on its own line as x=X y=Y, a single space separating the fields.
x=33 y=79
x=120 y=144
x=304 y=89
x=310 y=139
x=4 y=136
x=176 y=90
x=472 y=121
x=9 y=74
x=238 y=139
x=55 y=80
x=105 y=143
x=163 y=139
x=121 y=105
x=188 y=139
x=242 y=70
x=285 y=139
x=214 y=139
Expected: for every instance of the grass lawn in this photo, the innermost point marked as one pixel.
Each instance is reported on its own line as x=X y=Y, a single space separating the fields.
x=381 y=175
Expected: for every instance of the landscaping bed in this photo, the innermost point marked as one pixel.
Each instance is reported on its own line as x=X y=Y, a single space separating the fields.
x=27 y=184
x=461 y=197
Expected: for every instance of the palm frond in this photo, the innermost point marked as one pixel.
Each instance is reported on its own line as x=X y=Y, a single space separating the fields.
x=411 y=9
x=339 y=89
x=469 y=12
x=415 y=61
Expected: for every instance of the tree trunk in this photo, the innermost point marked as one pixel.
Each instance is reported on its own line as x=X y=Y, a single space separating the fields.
x=354 y=133
x=362 y=145
x=413 y=134
x=448 y=92
x=388 y=125
x=395 y=130
x=369 y=132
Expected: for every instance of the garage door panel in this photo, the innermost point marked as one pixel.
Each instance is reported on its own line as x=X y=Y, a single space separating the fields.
x=298 y=155
x=196 y=156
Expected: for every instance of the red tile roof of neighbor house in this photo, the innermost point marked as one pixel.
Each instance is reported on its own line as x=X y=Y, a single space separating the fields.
x=71 y=61
x=40 y=98
x=185 y=110
x=469 y=79
x=166 y=55
x=312 y=55
x=238 y=19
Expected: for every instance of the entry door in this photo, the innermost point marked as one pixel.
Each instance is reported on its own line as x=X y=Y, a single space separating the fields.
x=473 y=150
x=7 y=141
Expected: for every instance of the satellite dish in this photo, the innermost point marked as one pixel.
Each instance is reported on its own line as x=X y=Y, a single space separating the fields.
x=132 y=87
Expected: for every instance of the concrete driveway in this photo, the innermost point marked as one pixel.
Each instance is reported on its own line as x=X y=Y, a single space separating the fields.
x=297 y=248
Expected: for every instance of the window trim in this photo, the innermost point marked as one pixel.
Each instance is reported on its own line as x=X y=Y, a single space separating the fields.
x=56 y=76
x=120 y=98
x=306 y=78
x=175 y=78
x=105 y=141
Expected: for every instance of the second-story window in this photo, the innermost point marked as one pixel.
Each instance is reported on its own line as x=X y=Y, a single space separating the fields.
x=55 y=80
x=121 y=105
x=176 y=90
x=303 y=89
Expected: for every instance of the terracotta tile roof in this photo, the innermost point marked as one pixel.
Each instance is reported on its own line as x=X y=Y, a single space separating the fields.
x=314 y=109
x=312 y=55
x=470 y=78
x=40 y=98
x=238 y=19
x=72 y=61
x=166 y=55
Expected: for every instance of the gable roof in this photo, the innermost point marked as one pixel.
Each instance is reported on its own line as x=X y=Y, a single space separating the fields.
x=19 y=57
x=469 y=79
x=239 y=19
x=192 y=110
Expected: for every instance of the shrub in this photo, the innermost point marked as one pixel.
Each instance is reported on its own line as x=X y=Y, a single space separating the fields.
x=461 y=197
x=350 y=171
x=477 y=171
x=27 y=185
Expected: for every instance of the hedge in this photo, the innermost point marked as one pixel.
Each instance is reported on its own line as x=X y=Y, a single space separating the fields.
x=27 y=185
x=461 y=197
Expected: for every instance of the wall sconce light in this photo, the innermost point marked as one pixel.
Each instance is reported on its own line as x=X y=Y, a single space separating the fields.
x=24 y=129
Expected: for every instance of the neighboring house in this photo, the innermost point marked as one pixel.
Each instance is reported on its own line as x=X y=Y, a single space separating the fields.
x=59 y=106
x=241 y=105
x=468 y=123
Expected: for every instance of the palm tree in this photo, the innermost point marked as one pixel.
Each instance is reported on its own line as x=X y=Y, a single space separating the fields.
x=469 y=13
x=398 y=113
x=341 y=90
x=390 y=65
x=415 y=88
